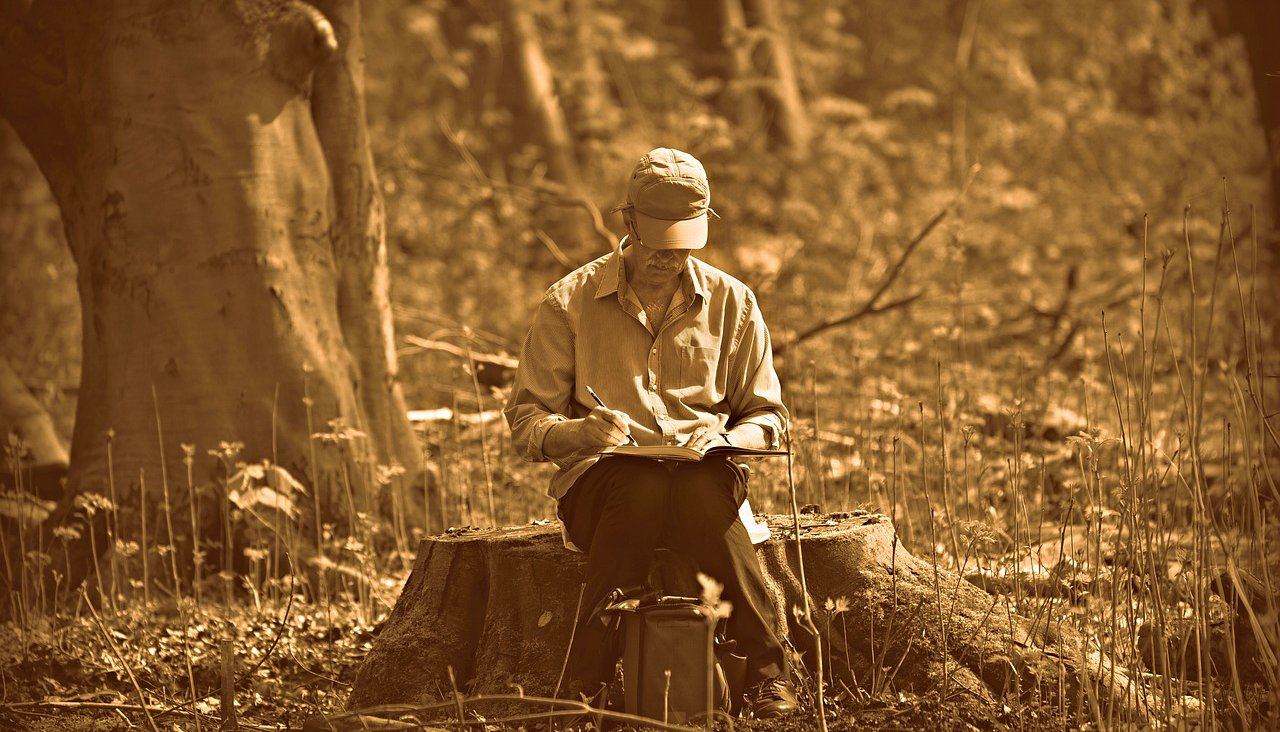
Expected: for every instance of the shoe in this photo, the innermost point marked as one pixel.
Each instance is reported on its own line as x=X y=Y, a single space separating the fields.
x=771 y=699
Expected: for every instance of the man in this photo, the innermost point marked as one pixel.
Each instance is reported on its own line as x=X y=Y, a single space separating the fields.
x=679 y=353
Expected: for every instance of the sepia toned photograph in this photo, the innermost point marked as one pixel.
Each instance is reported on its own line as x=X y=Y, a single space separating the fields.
x=595 y=365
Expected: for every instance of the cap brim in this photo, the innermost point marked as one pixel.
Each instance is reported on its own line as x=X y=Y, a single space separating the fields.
x=663 y=234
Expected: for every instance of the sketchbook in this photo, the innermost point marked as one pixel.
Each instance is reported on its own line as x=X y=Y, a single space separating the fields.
x=688 y=454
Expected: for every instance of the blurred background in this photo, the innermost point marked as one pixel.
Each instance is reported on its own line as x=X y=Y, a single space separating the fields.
x=1017 y=258
x=935 y=202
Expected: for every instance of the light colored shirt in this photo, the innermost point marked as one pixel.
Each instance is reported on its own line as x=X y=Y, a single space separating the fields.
x=710 y=359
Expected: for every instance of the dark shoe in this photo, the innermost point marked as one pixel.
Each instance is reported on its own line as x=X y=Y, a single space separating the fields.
x=771 y=698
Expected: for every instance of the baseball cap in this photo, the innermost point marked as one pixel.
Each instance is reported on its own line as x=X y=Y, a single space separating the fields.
x=671 y=199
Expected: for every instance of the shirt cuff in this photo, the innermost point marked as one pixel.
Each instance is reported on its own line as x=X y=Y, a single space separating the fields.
x=538 y=434
x=772 y=426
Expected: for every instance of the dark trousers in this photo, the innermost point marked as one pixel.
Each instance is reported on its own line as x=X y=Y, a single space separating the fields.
x=623 y=508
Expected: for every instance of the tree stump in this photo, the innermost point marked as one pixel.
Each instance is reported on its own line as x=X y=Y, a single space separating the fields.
x=497 y=606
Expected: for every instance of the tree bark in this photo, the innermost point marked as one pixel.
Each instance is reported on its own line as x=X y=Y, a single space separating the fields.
x=227 y=231
x=497 y=608
x=359 y=240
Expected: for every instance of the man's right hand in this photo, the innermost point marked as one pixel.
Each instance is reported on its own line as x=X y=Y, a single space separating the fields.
x=601 y=428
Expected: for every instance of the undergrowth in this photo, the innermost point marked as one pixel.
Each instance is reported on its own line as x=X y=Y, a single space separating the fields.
x=1133 y=501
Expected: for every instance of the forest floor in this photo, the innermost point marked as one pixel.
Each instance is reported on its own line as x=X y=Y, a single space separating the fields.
x=89 y=670
x=292 y=661
x=73 y=674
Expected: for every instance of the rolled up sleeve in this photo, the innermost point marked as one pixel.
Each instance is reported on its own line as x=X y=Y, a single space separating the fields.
x=544 y=381
x=755 y=394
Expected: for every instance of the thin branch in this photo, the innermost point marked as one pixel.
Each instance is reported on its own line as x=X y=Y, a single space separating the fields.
x=872 y=305
x=862 y=312
x=545 y=191
x=563 y=705
x=555 y=249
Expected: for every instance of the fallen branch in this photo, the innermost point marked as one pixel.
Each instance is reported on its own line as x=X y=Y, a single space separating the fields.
x=497 y=359
x=559 y=707
x=142 y=699
x=57 y=704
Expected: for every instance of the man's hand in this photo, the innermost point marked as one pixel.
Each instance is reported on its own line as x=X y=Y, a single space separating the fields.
x=601 y=428
x=604 y=427
x=749 y=435
x=708 y=435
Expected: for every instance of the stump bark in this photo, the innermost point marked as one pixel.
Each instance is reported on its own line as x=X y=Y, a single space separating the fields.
x=497 y=607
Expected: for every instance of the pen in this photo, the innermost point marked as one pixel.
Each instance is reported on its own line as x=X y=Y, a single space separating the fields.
x=630 y=440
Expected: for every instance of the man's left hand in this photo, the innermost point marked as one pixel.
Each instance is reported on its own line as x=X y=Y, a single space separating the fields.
x=706 y=437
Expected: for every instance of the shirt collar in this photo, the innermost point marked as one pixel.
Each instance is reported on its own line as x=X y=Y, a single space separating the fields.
x=613 y=275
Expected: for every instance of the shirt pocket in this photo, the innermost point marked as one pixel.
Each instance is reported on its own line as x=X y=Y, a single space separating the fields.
x=698 y=370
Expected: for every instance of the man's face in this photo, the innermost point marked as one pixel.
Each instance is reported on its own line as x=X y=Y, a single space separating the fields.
x=654 y=267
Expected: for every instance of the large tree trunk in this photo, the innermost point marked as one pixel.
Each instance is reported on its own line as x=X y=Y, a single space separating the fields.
x=497 y=607
x=227 y=230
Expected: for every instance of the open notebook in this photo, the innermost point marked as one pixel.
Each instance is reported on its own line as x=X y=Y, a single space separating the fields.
x=688 y=454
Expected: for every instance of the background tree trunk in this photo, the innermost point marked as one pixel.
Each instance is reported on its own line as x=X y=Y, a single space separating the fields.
x=791 y=120
x=568 y=228
x=498 y=606
x=1256 y=23
x=762 y=91
x=359 y=239
x=21 y=414
x=537 y=85
x=743 y=82
x=228 y=233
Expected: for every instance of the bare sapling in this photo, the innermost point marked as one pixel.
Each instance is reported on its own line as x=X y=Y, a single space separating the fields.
x=804 y=614
x=484 y=430
x=113 y=523
x=142 y=537
x=193 y=505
